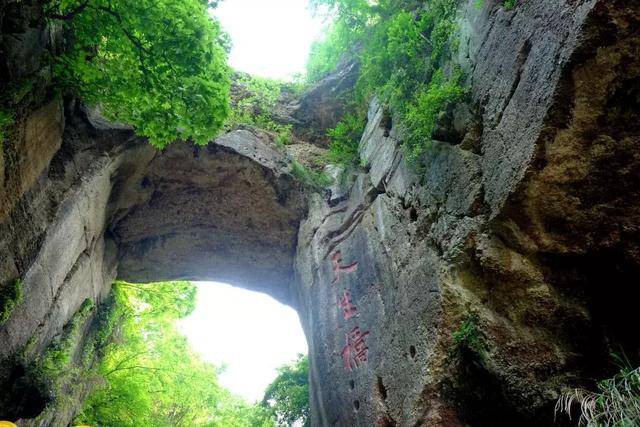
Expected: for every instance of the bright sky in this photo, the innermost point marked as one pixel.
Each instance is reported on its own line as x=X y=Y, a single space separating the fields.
x=251 y=333
x=271 y=38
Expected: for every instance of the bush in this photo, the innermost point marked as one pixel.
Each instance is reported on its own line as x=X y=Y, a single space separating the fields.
x=469 y=338
x=345 y=139
x=509 y=4
x=255 y=107
x=315 y=180
x=159 y=65
x=6 y=121
x=422 y=114
x=58 y=355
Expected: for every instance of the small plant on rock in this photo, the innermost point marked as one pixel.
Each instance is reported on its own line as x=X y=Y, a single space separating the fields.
x=6 y=120
x=315 y=180
x=10 y=297
x=468 y=337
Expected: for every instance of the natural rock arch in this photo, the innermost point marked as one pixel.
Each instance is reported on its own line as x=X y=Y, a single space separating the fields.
x=500 y=225
x=226 y=212
x=109 y=206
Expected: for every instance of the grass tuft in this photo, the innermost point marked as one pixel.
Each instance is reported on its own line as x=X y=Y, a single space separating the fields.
x=509 y=4
x=315 y=180
x=615 y=404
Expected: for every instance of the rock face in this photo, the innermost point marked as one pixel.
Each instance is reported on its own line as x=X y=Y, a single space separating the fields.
x=511 y=233
x=467 y=295
x=109 y=205
x=227 y=212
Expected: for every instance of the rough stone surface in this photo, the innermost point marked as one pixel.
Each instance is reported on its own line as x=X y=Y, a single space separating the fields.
x=322 y=106
x=227 y=212
x=525 y=223
x=502 y=226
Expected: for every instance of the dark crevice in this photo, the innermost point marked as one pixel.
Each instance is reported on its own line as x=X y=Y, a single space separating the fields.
x=387 y=122
x=21 y=397
x=413 y=214
x=382 y=390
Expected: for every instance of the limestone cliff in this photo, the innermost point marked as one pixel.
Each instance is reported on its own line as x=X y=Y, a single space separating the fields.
x=467 y=294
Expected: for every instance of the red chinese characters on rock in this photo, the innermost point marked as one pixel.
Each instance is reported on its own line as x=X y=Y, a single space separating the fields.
x=349 y=310
x=336 y=261
x=355 y=352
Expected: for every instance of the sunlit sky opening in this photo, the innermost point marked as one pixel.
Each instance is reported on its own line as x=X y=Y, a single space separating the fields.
x=271 y=38
x=249 y=332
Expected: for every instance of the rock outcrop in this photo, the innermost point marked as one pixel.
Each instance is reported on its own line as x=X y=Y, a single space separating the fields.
x=469 y=294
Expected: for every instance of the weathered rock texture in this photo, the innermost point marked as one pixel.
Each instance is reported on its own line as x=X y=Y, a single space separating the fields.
x=526 y=220
x=524 y=226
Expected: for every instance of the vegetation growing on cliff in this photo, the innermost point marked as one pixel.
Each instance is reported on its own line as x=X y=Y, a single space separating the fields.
x=345 y=138
x=254 y=103
x=158 y=65
x=402 y=47
x=287 y=397
x=316 y=180
x=468 y=338
x=615 y=404
x=6 y=120
x=150 y=375
x=10 y=297
x=59 y=354
x=509 y=4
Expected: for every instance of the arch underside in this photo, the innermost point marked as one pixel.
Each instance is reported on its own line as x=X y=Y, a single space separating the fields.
x=223 y=212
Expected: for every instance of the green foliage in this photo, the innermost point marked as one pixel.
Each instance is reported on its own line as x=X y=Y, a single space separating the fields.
x=287 y=397
x=345 y=138
x=421 y=116
x=468 y=336
x=316 y=180
x=10 y=297
x=616 y=404
x=58 y=356
x=159 y=65
x=151 y=375
x=6 y=121
x=401 y=46
x=254 y=106
x=509 y=4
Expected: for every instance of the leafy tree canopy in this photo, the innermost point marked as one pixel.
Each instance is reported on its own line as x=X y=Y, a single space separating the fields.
x=287 y=397
x=159 y=65
x=150 y=375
